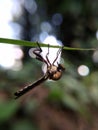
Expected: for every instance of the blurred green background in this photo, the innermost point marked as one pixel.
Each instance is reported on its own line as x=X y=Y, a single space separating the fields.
x=70 y=103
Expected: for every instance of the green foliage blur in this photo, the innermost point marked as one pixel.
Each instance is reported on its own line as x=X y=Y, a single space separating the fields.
x=72 y=91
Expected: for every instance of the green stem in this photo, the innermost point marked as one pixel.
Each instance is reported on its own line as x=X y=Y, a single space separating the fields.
x=33 y=44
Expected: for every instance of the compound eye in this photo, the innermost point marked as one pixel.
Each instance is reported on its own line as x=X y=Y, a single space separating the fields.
x=61 y=67
x=56 y=76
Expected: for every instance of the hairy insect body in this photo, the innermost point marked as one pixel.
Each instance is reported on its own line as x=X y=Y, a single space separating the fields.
x=55 y=72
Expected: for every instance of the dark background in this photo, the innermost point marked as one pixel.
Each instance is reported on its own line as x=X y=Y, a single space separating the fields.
x=70 y=103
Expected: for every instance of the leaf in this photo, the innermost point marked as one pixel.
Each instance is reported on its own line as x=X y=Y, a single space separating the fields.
x=7 y=109
x=33 y=44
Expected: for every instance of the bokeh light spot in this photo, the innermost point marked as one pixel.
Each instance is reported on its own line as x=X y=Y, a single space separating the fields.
x=83 y=70
x=95 y=56
x=46 y=27
x=31 y=6
x=42 y=36
x=57 y=19
x=97 y=34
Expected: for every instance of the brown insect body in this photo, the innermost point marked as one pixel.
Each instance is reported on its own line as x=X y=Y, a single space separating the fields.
x=54 y=72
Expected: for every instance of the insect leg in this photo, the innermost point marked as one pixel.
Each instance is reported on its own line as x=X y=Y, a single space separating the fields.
x=37 y=52
x=58 y=52
x=47 y=56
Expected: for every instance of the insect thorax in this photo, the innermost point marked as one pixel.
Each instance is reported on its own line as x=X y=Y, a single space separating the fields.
x=54 y=72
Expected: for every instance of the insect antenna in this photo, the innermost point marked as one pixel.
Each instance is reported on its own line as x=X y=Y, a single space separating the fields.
x=58 y=52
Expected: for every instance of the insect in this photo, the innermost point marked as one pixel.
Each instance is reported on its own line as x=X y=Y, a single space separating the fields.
x=53 y=72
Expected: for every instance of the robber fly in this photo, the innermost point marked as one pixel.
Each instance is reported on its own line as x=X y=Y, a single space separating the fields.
x=54 y=72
